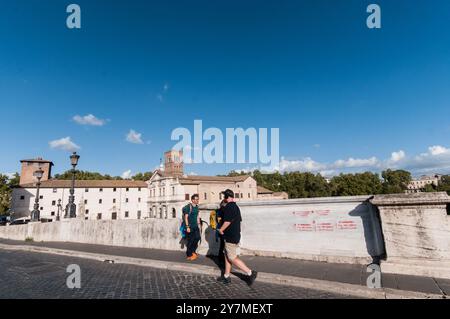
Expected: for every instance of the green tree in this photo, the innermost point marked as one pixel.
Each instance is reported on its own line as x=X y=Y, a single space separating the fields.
x=6 y=186
x=429 y=188
x=85 y=175
x=395 y=181
x=356 y=184
x=444 y=184
x=142 y=176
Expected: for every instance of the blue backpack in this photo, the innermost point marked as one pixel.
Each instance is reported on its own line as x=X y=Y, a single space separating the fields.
x=183 y=224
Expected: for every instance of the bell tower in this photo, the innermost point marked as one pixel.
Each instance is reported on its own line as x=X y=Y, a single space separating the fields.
x=173 y=163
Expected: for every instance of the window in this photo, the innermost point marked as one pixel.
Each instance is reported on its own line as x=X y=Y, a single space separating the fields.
x=242 y=195
x=114 y=200
x=114 y=216
x=173 y=190
x=114 y=189
x=42 y=208
x=101 y=189
x=128 y=189
x=86 y=190
x=99 y=216
x=55 y=190
x=85 y=201
x=100 y=201
x=52 y=213
x=206 y=196
x=139 y=214
x=248 y=195
x=220 y=196
x=174 y=213
x=139 y=189
x=186 y=196
x=164 y=192
x=87 y=211
x=22 y=197
x=53 y=202
x=41 y=197
x=160 y=192
x=86 y=218
x=126 y=200
x=139 y=200
x=126 y=214
x=237 y=195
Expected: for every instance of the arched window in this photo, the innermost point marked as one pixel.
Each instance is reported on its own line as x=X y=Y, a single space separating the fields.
x=174 y=213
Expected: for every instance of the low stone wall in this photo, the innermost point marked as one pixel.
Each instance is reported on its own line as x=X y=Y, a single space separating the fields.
x=150 y=233
x=416 y=230
x=339 y=229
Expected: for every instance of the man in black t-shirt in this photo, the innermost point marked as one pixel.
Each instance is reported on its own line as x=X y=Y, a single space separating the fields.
x=231 y=231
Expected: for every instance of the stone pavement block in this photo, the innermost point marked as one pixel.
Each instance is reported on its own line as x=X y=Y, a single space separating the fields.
x=389 y=281
x=347 y=274
x=419 y=284
x=444 y=284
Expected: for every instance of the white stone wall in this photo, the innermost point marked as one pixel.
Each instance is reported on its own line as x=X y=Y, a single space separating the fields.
x=327 y=229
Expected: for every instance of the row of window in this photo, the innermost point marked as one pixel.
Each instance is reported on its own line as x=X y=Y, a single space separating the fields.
x=100 y=201
x=113 y=215
x=162 y=192
x=86 y=190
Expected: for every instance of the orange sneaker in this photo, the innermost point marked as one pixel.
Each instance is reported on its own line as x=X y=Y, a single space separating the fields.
x=194 y=257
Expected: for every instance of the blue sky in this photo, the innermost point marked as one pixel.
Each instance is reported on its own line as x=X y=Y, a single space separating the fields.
x=345 y=98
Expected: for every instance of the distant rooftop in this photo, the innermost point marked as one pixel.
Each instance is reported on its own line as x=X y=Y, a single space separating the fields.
x=55 y=183
x=36 y=160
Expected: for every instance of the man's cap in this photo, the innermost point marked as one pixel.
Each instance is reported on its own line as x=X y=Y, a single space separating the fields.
x=228 y=193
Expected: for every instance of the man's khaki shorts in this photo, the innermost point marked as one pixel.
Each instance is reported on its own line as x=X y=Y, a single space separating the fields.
x=231 y=250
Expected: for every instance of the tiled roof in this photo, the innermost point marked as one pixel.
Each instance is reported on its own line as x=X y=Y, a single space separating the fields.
x=36 y=160
x=263 y=190
x=195 y=179
x=55 y=183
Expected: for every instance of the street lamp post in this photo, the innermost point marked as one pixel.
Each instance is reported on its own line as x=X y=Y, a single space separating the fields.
x=71 y=208
x=35 y=214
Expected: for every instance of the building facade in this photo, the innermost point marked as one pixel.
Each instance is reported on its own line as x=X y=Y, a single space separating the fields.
x=163 y=196
x=418 y=185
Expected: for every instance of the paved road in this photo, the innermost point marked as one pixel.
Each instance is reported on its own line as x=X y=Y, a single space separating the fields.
x=36 y=275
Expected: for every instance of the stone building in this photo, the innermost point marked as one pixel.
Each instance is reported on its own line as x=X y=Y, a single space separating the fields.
x=418 y=185
x=163 y=196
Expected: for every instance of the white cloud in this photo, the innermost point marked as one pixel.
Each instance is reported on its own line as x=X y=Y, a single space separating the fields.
x=307 y=164
x=89 y=119
x=166 y=87
x=64 y=144
x=397 y=156
x=134 y=137
x=435 y=160
x=126 y=174
x=356 y=162
x=438 y=150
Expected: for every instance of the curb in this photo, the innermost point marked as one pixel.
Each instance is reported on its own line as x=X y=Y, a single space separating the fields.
x=270 y=278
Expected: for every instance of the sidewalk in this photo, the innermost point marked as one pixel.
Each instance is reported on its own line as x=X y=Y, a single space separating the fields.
x=285 y=271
